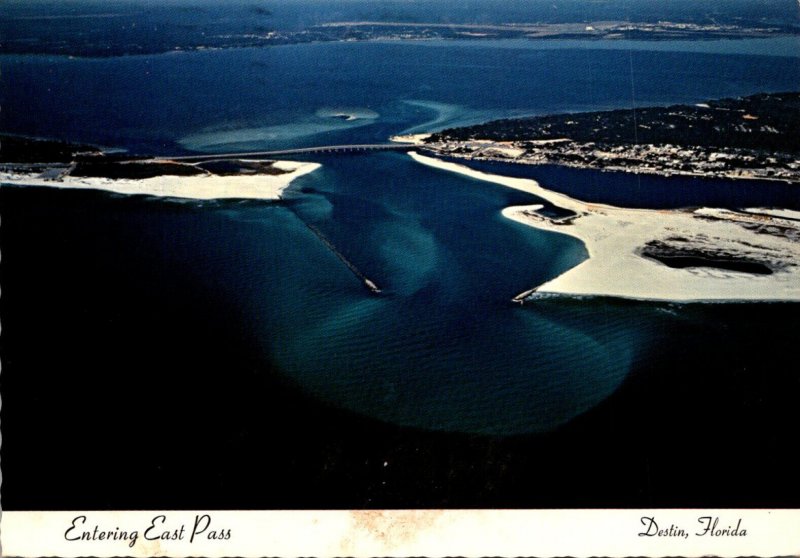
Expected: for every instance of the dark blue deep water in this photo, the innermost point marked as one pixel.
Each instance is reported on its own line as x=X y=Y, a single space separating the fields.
x=442 y=348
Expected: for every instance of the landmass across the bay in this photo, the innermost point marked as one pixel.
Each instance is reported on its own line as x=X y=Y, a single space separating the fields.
x=594 y=30
x=265 y=35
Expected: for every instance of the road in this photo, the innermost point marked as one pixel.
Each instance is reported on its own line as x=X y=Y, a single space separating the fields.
x=355 y=148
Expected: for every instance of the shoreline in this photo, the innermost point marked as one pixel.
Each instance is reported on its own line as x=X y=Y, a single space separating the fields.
x=203 y=187
x=615 y=237
x=634 y=170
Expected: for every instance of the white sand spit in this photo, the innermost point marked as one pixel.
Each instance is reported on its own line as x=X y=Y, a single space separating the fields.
x=200 y=187
x=766 y=246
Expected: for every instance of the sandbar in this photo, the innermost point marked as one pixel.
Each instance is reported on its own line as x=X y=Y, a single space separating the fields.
x=621 y=243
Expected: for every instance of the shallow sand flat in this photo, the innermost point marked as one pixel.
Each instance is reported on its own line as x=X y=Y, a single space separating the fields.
x=614 y=237
x=201 y=187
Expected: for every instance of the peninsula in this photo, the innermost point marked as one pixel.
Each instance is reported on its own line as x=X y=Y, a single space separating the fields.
x=691 y=255
x=57 y=164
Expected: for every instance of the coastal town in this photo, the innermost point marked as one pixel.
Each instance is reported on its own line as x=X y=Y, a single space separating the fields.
x=751 y=137
x=664 y=160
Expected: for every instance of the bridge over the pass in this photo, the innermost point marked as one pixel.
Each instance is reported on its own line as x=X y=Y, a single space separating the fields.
x=355 y=148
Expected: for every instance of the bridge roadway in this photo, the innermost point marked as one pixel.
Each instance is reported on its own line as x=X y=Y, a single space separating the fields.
x=299 y=151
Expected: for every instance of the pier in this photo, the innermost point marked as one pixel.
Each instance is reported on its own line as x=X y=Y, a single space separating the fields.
x=368 y=283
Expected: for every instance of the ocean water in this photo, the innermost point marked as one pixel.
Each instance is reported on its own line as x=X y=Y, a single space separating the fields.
x=236 y=304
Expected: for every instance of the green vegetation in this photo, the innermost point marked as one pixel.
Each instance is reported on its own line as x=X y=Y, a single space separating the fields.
x=767 y=122
x=18 y=149
x=57 y=159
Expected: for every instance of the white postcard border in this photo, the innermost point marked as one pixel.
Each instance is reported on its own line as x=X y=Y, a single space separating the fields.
x=432 y=533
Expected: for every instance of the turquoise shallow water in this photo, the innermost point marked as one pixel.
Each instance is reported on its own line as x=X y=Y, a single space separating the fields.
x=443 y=347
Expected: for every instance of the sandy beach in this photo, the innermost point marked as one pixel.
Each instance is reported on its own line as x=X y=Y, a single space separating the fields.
x=202 y=187
x=620 y=243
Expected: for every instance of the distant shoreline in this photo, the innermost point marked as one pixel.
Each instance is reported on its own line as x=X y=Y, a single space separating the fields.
x=366 y=31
